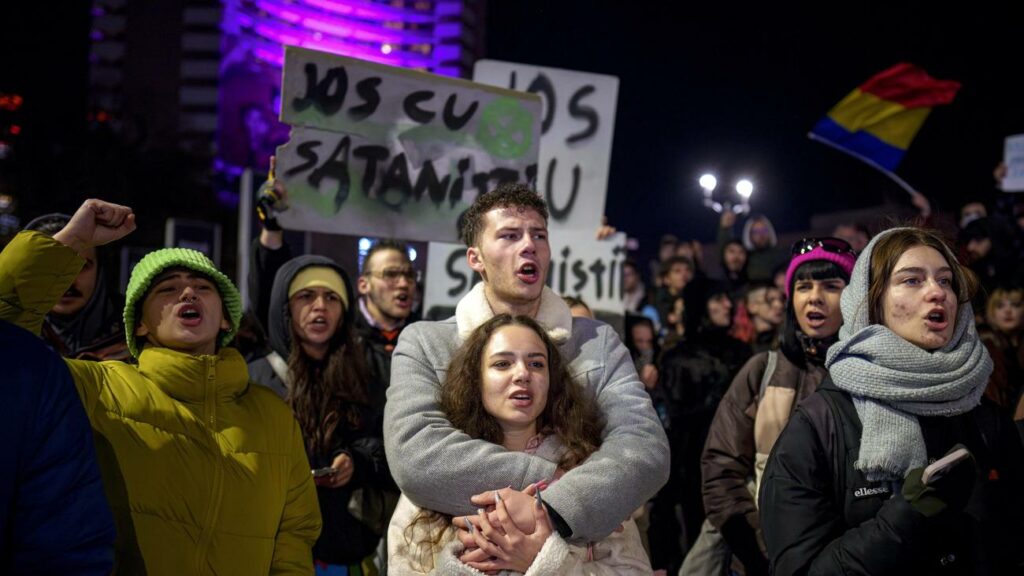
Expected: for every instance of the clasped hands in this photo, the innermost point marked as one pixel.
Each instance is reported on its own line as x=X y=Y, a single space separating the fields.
x=508 y=531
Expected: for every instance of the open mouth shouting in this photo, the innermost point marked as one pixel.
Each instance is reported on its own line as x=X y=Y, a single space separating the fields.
x=521 y=399
x=528 y=273
x=816 y=318
x=318 y=325
x=190 y=315
x=937 y=320
x=403 y=300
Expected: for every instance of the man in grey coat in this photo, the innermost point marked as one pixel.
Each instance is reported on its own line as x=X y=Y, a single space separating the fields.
x=440 y=468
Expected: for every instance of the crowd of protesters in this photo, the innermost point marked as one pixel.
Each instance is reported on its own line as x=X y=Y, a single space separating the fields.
x=775 y=415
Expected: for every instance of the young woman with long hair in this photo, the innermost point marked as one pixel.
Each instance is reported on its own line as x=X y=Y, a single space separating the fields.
x=509 y=385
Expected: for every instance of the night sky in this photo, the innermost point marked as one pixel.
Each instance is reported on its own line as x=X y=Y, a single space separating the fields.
x=702 y=86
x=735 y=89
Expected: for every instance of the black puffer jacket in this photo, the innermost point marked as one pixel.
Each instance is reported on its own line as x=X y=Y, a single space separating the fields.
x=377 y=348
x=820 y=516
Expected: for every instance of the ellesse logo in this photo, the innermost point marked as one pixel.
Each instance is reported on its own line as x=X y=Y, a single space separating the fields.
x=864 y=492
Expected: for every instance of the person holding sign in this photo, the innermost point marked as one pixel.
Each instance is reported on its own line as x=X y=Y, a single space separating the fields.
x=205 y=473
x=442 y=469
x=508 y=384
x=318 y=370
x=848 y=488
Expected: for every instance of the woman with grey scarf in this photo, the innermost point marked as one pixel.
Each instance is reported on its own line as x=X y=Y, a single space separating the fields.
x=844 y=491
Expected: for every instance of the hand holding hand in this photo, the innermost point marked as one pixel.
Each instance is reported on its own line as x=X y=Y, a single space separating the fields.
x=509 y=547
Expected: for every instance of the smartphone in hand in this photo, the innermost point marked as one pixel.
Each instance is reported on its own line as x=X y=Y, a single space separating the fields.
x=940 y=467
x=321 y=472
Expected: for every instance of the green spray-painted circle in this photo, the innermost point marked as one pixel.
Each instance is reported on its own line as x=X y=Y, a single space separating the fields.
x=505 y=129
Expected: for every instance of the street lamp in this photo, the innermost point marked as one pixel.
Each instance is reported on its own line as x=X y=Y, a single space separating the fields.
x=708 y=182
x=744 y=189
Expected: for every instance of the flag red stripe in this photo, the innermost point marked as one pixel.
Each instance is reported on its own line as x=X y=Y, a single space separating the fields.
x=911 y=86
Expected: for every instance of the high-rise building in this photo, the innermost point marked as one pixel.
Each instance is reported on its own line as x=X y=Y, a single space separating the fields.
x=205 y=76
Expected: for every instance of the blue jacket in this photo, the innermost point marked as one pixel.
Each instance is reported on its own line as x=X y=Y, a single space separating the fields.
x=54 y=517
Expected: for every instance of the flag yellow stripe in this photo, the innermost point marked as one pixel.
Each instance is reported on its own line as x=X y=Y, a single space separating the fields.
x=888 y=121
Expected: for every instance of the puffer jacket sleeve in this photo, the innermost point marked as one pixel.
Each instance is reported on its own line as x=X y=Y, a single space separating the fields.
x=34 y=271
x=90 y=381
x=802 y=525
x=58 y=520
x=300 y=521
x=727 y=464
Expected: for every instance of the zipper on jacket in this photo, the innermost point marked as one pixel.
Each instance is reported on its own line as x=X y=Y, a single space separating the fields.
x=217 y=482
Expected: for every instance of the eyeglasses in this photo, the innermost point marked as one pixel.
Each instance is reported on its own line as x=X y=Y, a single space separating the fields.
x=391 y=275
x=834 y=245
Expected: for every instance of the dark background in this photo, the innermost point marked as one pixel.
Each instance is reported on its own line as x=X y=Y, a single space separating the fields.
x=703 y=86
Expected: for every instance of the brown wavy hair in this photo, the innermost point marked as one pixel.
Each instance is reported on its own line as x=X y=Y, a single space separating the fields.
x=570 y=414
x=324 y=394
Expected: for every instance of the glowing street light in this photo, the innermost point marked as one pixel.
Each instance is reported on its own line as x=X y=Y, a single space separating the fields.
x=708 y=182
x=745 y=188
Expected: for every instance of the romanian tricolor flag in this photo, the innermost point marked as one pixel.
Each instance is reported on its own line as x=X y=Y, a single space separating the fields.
x=878 y=120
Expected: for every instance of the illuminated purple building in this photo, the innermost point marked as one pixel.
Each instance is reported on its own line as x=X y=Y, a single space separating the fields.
x=205 y=75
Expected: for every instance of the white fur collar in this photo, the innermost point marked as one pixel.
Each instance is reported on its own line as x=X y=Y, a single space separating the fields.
x=554 y=315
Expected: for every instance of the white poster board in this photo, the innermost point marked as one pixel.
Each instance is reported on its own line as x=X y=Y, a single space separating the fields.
x=576 y=136
x=1013 y=156
x=580 y=266
x=383 y=151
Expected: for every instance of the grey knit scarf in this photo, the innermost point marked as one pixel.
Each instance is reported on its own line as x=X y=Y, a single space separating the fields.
x=892 y=381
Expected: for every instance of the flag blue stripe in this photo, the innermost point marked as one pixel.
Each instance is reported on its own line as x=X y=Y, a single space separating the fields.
x=859 y=143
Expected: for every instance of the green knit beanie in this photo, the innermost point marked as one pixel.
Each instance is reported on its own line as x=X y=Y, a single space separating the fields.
x=156 y=262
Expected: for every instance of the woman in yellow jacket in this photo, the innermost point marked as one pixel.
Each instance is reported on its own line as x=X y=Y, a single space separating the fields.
x=205 y=473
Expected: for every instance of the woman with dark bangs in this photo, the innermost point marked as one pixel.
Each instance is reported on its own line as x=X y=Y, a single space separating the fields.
x=508 y=385
x=761 y=399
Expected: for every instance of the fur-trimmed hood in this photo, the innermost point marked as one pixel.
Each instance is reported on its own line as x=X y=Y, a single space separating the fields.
x=554 y=315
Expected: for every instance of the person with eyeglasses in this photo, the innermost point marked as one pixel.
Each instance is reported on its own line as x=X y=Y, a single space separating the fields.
x=897 y=464
x=387 y=294
x=760 y=400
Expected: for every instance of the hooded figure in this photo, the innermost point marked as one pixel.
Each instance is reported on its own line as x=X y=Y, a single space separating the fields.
x=87 y=322
x=317 y=366
x=272 y=370
x=848 y=488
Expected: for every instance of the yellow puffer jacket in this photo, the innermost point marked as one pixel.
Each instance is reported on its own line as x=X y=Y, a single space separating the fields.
x=205 y=472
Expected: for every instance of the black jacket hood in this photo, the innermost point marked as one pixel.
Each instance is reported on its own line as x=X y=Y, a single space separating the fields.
x=279 y=331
